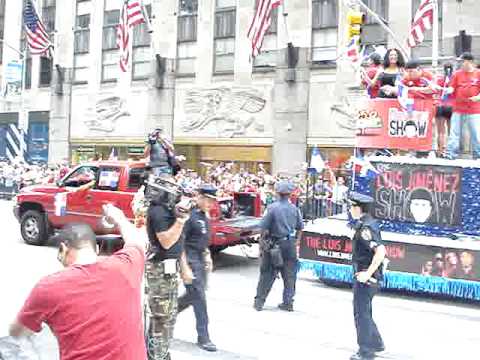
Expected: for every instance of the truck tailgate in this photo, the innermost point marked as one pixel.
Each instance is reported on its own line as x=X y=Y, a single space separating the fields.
x=243 y=223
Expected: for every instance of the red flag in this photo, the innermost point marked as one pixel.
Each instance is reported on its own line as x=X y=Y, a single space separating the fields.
x=422 y=22
x=130 y=16
x=260 y=23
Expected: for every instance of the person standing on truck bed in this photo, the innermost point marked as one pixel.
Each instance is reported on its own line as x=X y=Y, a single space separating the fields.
x=281 y=232
x=197 y=236
x=161 y=154
x=94 y=305
x=165 y=221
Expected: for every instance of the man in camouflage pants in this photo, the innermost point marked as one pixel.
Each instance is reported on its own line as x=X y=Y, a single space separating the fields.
x=164 y=228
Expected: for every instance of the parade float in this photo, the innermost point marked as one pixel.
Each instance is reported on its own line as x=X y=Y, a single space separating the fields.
x=429 y=209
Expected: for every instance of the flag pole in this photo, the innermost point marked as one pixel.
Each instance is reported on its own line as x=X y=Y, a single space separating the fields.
x=435 y=35
x=285 y=23
x=385 y=27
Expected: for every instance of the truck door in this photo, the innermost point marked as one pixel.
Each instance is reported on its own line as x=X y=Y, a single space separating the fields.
x=106 y=191
x=79 y=202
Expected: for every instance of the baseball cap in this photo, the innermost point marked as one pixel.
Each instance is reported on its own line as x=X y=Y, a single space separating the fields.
x=208 y=190
x=466 y=56
x=356 y=198
x=284 y=187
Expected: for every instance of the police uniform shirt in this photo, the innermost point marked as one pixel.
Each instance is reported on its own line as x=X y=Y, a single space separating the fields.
x=281 y=219
x=160 y=219
x=197 y=232
x=365 y=240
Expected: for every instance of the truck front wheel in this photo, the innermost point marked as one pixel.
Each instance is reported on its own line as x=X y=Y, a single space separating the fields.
x=33 y=227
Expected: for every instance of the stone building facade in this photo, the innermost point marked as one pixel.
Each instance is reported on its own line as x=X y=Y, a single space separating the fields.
x=192 y=75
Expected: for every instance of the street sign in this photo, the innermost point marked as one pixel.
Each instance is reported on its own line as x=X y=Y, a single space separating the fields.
x=13 y=80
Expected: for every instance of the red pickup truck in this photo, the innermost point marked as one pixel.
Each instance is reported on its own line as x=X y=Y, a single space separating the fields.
x=41 y=209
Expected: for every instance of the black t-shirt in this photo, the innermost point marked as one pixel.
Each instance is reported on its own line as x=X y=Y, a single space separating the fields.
x=160 y=219
x=366 y=239
x=196 y=232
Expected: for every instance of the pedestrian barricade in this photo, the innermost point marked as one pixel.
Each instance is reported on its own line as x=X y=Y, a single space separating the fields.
x=8 y=188
x=315 y=208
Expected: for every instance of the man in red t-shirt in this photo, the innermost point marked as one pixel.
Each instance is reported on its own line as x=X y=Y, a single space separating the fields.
x=465 y=86
x=94 y=305
x=418 y=81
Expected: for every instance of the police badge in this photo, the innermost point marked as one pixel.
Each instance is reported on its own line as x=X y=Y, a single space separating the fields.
x=366 y=234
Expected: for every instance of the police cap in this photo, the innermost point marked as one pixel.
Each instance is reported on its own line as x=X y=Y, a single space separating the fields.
x=356 y=198
x=208 y=190
x=284 y=187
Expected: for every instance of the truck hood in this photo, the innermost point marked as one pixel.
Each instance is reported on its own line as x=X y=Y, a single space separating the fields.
x=242 y=223
x=44 y=189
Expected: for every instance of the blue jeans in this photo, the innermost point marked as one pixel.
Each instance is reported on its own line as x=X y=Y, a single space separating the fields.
x=456 y=123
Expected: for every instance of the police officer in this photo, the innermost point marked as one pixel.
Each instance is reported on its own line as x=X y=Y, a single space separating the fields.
x=165 y=224
x=281 y=230
x=161 y=153
x=197 y=236
x=367 y=259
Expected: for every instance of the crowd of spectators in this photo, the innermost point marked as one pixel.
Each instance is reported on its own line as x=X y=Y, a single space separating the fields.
x=17 y=174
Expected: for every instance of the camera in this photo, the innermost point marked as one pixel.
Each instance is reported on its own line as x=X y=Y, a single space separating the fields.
x=159 y=190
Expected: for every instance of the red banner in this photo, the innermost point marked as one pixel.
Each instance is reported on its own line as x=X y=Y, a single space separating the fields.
x=383 y=124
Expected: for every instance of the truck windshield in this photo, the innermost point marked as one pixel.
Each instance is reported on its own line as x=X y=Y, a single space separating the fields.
x=136 y=178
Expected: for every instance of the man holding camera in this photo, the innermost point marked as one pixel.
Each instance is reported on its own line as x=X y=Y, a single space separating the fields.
x=166 y=218
x=199 y=261
x=281 y=232
x=161 y=153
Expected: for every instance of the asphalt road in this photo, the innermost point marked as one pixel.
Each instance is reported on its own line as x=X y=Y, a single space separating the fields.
x=320 y=328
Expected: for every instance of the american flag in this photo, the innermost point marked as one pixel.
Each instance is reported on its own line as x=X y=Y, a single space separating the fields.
x=422 y=22
x=131 y=16
x=353 y=53
x=37 y=37
x=260 y=23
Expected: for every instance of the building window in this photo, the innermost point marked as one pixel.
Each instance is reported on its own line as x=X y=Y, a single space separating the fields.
x=324 y=31
x=188 y=7
x=81 y=61
x=268 y=55
x=82 y=34
x=372 y=33
x=141 y=65
x=110 y=52
x=45 y=71
x=187 y=38
x=48 y=15
x=424 y=50
x=2 y=26
x=225 y=20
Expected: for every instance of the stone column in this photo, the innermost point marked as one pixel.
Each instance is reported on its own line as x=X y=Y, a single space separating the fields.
x=161 y=101
x=399 y=20
x=205 y=45
x=243 y=66
x=61 y=101
x=291 y=98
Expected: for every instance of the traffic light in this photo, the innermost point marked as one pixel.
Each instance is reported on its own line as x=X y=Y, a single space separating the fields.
x=355 y=20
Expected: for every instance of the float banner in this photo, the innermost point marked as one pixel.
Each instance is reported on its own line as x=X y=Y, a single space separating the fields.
x=427 y=260
x=418 y=193
x=384 y=124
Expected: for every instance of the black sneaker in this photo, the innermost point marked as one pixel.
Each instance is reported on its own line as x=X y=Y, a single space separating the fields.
x=207 y=346
x=362 y=356
x=285 y=307
x=257 y=305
